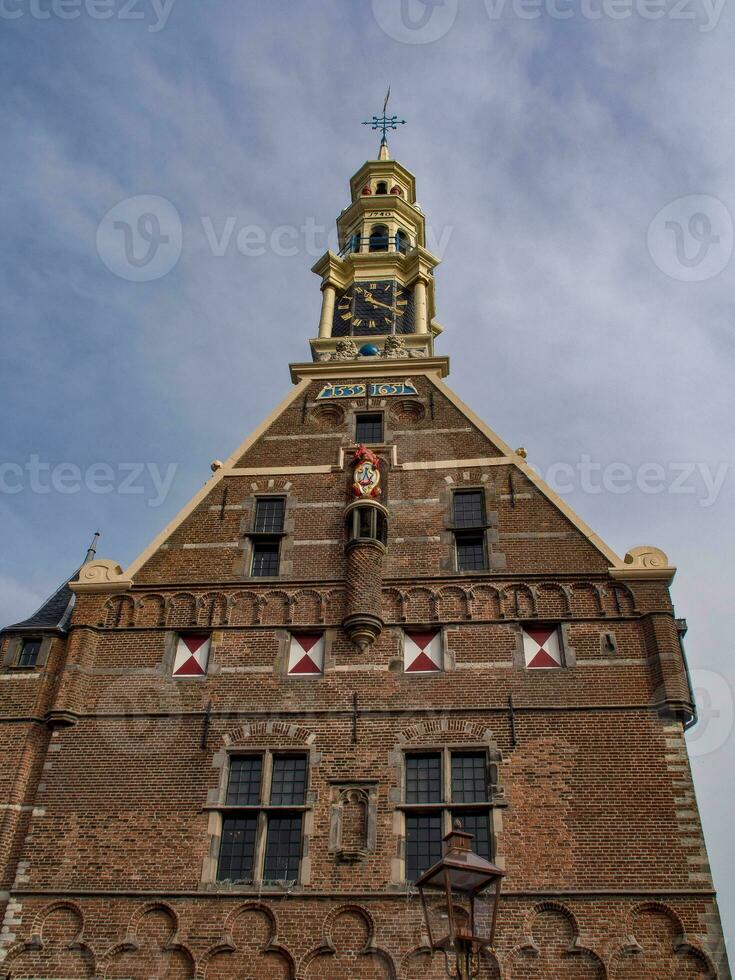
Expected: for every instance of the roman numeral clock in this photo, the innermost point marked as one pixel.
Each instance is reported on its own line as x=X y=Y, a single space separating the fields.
x=368 y=308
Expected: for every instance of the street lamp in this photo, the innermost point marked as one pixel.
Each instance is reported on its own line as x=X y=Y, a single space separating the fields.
x=461 y=876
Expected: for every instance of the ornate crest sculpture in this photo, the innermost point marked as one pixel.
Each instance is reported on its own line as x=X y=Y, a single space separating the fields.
x=366 y=474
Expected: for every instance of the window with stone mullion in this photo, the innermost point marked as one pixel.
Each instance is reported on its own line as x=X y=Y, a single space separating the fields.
x=441 y=787
x=263 y=841
x=469 y=522
x=269 y=513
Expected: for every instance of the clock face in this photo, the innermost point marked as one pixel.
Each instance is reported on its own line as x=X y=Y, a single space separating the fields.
x=367 y=308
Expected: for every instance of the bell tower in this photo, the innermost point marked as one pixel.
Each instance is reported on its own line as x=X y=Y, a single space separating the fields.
x=378 y=290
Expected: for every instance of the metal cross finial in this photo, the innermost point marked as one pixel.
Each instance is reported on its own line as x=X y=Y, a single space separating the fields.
x=385 y=122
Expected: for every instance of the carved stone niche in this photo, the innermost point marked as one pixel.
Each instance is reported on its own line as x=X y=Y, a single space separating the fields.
x=353 y=820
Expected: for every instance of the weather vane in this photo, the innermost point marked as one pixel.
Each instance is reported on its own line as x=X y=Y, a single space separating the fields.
x=385 y=122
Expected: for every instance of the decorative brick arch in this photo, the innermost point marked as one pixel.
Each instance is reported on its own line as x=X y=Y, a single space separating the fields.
x=348 y=949
x=442 y=728
x=518 y=601
x=308 y=612
x=215 y=607
x=552 y=949
x=553 y=600
x=394 y=605
x=245 y=608
x=622 y=600
x=269 y=731
x=248 y=948
x=151 y=610
x=586 y=600
x=657 y=948
x=151 y=948
x=154 y=906
x=56 y=947
x=454 y=603
x=120 y=611
x=421 y=605
x=276 y=613
x=182 y=610
x=485 y=602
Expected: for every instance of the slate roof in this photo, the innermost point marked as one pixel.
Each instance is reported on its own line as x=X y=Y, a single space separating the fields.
x=53 y=614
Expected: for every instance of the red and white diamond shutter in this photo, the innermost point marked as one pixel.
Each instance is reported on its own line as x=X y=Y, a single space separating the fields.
x=542 y=647
x=422 y=651
x=192 y=655
x=306 y=654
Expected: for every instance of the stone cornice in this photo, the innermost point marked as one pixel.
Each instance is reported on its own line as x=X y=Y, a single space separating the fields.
x=625 y=574
x=370 y=368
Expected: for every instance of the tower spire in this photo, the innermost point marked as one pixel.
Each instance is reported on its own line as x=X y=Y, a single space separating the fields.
x=378 y=289
x=92 y=549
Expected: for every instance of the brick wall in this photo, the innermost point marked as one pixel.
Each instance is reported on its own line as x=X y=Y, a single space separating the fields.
x=110 y=819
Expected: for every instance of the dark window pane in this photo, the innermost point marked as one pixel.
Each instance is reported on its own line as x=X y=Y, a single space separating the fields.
x=283 y=848
x=243 y=786
x=369 y=428
x=29 y=653
x=378 y=239
x=423 y=843
x=364 y=522
x=469 y=777
x=288 y=785
x=237 y=849
x=469 y=509
x=269 y=514
x=401 y=241
x=477 y=824
x=471 y=552
x=265 y=558
x=382 y=532
x=424 y=778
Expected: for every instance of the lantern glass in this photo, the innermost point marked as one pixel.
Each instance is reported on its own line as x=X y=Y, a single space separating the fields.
x=460 y=895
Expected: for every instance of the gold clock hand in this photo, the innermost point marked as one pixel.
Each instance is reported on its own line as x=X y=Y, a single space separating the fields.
x=376 y=302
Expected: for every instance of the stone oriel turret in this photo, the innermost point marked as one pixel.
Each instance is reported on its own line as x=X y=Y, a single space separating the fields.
x=366 y=524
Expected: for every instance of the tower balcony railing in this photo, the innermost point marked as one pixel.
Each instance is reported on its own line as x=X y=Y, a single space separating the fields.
x=377 y=243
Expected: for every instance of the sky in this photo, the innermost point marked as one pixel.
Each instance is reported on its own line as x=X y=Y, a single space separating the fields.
x=172 y=170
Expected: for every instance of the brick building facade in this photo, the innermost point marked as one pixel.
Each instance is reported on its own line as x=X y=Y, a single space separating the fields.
x=233 y=758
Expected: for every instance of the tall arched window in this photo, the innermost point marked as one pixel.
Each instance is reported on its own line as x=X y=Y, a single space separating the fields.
x=401 y=241
x=382 y=188
x=355 y=241
x=379 y=239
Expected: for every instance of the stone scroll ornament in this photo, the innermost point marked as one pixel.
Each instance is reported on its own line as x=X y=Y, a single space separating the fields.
x=366 y=475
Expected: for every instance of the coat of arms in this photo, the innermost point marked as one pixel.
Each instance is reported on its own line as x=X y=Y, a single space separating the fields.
x=366 y=476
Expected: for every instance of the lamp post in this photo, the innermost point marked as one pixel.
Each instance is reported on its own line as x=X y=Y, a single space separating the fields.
x=459 y=877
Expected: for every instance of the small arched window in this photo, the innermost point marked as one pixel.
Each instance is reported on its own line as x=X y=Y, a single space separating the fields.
x=401 y=241
x=382 y=187
x=379 y=239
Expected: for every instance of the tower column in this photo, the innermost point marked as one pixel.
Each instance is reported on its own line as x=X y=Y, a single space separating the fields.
x=420 y=306
x=329 y=295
